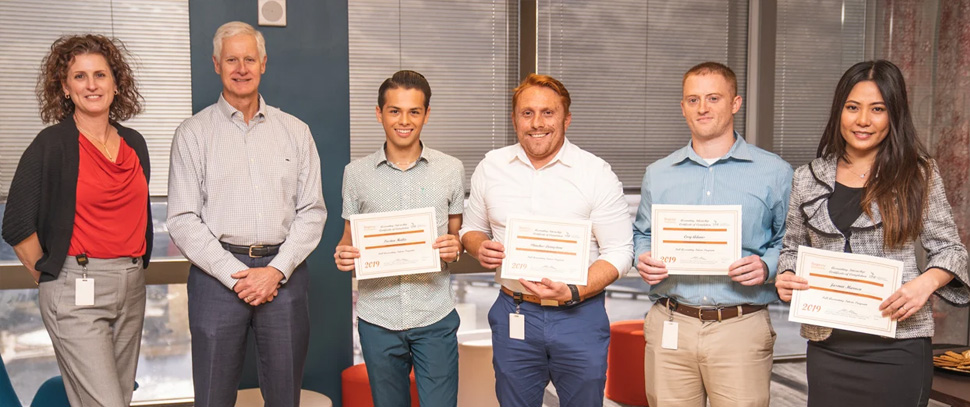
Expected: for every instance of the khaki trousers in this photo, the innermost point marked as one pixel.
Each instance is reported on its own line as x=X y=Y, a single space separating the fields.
x=728 y=362
x=97 y=346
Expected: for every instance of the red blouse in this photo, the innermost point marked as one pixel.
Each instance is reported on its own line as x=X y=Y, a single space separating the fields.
x=110 y=216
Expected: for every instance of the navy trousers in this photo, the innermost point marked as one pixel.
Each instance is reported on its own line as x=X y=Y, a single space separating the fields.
x=432 y=350
x=567 y=345
x=220 y=322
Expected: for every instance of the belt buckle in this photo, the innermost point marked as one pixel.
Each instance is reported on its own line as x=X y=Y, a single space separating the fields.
x=720 y=317
x=700 y=313
x=548 y=303
x=255 y=246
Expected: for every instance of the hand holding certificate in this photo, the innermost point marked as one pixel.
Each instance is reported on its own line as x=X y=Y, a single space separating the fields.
x=845 y=291
x=395 y=243
x=696 y=239
x=537 y=248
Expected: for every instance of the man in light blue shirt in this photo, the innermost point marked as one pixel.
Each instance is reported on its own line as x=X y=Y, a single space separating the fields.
x=710 y=336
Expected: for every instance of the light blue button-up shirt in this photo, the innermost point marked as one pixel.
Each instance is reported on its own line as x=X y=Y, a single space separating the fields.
x=757 y=180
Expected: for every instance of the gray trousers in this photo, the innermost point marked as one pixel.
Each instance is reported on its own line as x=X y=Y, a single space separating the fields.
x=220 y=322
x=97 y=345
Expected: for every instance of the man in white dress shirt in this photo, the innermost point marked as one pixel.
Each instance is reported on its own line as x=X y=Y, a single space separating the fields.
x=566 y=330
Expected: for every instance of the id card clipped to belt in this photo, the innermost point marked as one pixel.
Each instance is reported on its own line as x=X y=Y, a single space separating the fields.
x=517 y=320
x=668 y=339
x=84 y=286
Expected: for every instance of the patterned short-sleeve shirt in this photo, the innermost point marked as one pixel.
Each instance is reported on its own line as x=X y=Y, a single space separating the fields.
x=373 y=184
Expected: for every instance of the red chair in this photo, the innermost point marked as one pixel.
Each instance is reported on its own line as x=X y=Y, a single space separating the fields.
x=624 y=371
x=356 y=387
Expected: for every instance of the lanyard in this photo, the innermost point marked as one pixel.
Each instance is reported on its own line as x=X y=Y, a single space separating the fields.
x=517 y=298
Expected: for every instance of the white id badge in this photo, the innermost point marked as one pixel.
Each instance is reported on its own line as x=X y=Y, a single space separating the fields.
x=517 y=326
x=669 y=340
x=84 y=291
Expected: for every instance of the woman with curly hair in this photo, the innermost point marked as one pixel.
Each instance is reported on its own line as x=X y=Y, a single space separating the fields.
x=78 y=217
x=874 y=190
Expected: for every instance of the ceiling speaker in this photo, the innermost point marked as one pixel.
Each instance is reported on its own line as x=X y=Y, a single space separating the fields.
x=272 y=13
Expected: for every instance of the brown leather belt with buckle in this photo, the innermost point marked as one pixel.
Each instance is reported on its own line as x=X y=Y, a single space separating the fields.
x=710 y=314
x=257 y=250
x=547 y=303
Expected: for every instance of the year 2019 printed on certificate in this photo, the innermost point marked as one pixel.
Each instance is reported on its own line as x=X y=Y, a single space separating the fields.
x=537 y=248
x=395 y=243
x=845 y=291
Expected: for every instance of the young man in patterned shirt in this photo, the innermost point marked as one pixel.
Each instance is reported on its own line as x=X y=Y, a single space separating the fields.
x=409 y=320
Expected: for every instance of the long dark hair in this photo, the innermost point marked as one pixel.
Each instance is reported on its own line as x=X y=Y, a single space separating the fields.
x=899 y=179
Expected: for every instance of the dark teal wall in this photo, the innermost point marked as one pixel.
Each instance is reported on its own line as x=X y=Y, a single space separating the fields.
x=307 y=76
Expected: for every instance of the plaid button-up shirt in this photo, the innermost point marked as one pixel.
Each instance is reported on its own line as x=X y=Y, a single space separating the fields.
x=373 y=184
x=244 y=184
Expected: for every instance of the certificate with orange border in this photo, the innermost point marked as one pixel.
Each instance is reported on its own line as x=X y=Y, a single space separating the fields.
x=537 y=248
x=395 y=243
x=696 y=239
x=845 y=291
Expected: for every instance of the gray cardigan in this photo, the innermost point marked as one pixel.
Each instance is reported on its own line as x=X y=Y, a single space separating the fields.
x=809 y=224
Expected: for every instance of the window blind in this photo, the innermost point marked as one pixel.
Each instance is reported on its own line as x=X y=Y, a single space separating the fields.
x=466 y=49
x=816 y=42
x=156 y=33
x=623 y=62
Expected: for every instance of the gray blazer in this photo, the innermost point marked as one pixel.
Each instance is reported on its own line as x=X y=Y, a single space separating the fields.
x=809 y=224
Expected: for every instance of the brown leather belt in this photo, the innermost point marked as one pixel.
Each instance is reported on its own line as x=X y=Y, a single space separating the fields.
x=546 y=303
x=710 y=314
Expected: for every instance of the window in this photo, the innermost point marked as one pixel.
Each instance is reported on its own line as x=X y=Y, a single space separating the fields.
x=623 y=62
x=156 y=33
x=466 y=49
x=816 y=42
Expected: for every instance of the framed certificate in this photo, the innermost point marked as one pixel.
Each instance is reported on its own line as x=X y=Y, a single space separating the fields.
x=537 y=248
x=395 y=243
x=696 y=239
x=845 y=291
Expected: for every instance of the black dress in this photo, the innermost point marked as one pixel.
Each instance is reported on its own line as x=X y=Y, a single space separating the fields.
x=859 y=370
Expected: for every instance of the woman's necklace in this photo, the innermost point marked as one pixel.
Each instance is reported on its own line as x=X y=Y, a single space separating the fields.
x=863 y=175
x=104 y=146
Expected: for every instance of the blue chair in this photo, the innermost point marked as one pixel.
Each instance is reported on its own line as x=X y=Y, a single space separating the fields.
x=8 y=397
x=50 y=394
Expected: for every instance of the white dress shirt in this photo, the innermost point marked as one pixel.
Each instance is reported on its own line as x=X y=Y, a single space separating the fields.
x=244 y=184
x=574 y=185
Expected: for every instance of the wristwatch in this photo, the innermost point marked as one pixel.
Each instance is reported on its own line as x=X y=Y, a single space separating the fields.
x=575 y=291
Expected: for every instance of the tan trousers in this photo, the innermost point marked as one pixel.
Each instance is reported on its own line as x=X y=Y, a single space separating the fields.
x=728 y=362
x=97 y=346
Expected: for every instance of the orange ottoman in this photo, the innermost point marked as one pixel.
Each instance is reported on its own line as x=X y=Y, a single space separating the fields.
x=624 y=372
x=356 y=387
